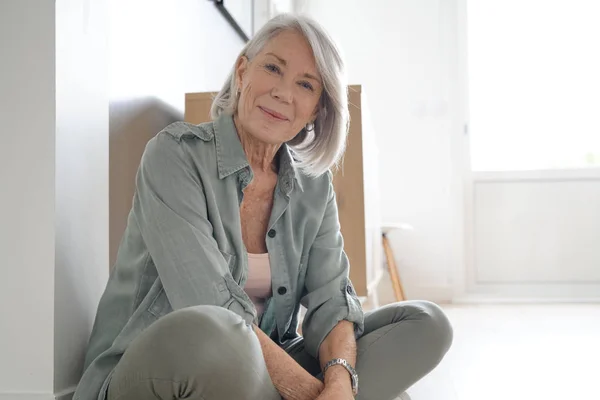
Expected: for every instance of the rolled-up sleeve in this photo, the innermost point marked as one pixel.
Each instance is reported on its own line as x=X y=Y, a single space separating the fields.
x=330 y=296
x=170 y=210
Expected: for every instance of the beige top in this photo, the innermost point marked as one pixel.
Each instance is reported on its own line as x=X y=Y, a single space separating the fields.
x=258 y=285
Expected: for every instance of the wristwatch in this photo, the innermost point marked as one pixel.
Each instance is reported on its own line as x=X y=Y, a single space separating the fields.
x=351 y=371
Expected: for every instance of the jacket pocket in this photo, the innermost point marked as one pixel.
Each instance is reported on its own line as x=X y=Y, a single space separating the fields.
x=229 y=259
x=160 y=305
x=220 y=293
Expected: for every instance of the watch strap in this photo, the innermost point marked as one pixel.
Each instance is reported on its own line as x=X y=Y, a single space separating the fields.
x=349 y=368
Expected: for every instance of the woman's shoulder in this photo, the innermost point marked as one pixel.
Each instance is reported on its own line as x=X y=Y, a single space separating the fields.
x=182 y=144
x=319 y=182
x=181 y=130
x=314 y=189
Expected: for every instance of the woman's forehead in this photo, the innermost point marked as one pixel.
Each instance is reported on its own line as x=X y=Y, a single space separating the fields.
x=290 y=47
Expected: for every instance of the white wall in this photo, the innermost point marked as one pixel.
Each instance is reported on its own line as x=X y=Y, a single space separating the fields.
x=54 y=156
x=155 y=58
x=81 y=181
x=27 y=196
x=537 y=231
x=532 y=236
x=54 y=203
x=404 y=53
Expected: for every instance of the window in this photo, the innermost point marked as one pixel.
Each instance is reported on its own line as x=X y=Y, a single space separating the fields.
x=534 y=84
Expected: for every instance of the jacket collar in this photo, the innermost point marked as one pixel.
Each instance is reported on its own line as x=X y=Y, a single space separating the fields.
x=231 y=156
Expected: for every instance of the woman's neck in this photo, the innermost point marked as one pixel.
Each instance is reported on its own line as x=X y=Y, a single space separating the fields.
x=261 y=155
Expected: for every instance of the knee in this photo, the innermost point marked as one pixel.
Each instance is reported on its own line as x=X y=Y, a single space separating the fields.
x=205 y=334
x=436 y=326
x=197 y=349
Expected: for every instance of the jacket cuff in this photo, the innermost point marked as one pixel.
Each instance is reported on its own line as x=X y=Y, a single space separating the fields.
x=321 y=322
x=236 y=307
x=239 y=302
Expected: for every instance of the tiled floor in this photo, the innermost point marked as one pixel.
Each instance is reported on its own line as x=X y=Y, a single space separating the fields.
x=516 y=352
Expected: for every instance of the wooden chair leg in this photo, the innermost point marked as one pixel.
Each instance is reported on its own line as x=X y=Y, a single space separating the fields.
x=392 y=269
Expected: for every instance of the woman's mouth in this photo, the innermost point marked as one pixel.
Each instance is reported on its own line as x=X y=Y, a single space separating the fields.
x=273 y=114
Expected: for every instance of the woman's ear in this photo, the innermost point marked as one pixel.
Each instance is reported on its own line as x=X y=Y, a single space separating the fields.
x=240 y=69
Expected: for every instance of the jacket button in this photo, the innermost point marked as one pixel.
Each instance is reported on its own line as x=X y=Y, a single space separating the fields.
x=272 y=233
x=349 y=289
x=282 y=290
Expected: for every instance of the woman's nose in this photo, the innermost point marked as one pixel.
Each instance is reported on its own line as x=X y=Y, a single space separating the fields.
x=283 y=91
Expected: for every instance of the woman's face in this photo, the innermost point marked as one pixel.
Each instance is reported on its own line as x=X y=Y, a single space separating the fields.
x=280 y=89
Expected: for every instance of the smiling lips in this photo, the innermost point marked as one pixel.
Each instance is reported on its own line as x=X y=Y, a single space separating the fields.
x=273 y=114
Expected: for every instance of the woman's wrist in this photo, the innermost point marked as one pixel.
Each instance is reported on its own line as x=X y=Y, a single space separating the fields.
x=289 y=378
x=316 y=388
x=337 y=375
x=308 y=389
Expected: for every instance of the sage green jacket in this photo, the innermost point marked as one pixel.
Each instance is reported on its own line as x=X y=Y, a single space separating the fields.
x=183 y=247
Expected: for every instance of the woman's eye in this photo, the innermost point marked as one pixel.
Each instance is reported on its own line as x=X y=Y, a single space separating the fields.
x=272 y=68
x=307 y=85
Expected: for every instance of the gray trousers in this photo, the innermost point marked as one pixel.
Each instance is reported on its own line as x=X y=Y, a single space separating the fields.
x=209 y=353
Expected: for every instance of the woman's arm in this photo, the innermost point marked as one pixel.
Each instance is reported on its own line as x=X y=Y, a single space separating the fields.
x=170 y=210
x=330 y=297
x=291 y=380
x=334 y=316
x=340 y=343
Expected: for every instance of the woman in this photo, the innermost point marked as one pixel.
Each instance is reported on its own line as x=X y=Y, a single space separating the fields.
x=234 y=225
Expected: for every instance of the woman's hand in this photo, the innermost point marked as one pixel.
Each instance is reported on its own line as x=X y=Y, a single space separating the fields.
x=289 y=378
x=335 y=391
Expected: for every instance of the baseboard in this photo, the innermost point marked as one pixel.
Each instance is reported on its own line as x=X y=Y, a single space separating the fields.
x=441 y=294
x=26 y=396
x=66 y=394
x=446 y=294
x=528 y=292
x=482 y=299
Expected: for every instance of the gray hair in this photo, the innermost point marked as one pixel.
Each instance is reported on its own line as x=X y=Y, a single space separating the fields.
x=318 y=150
